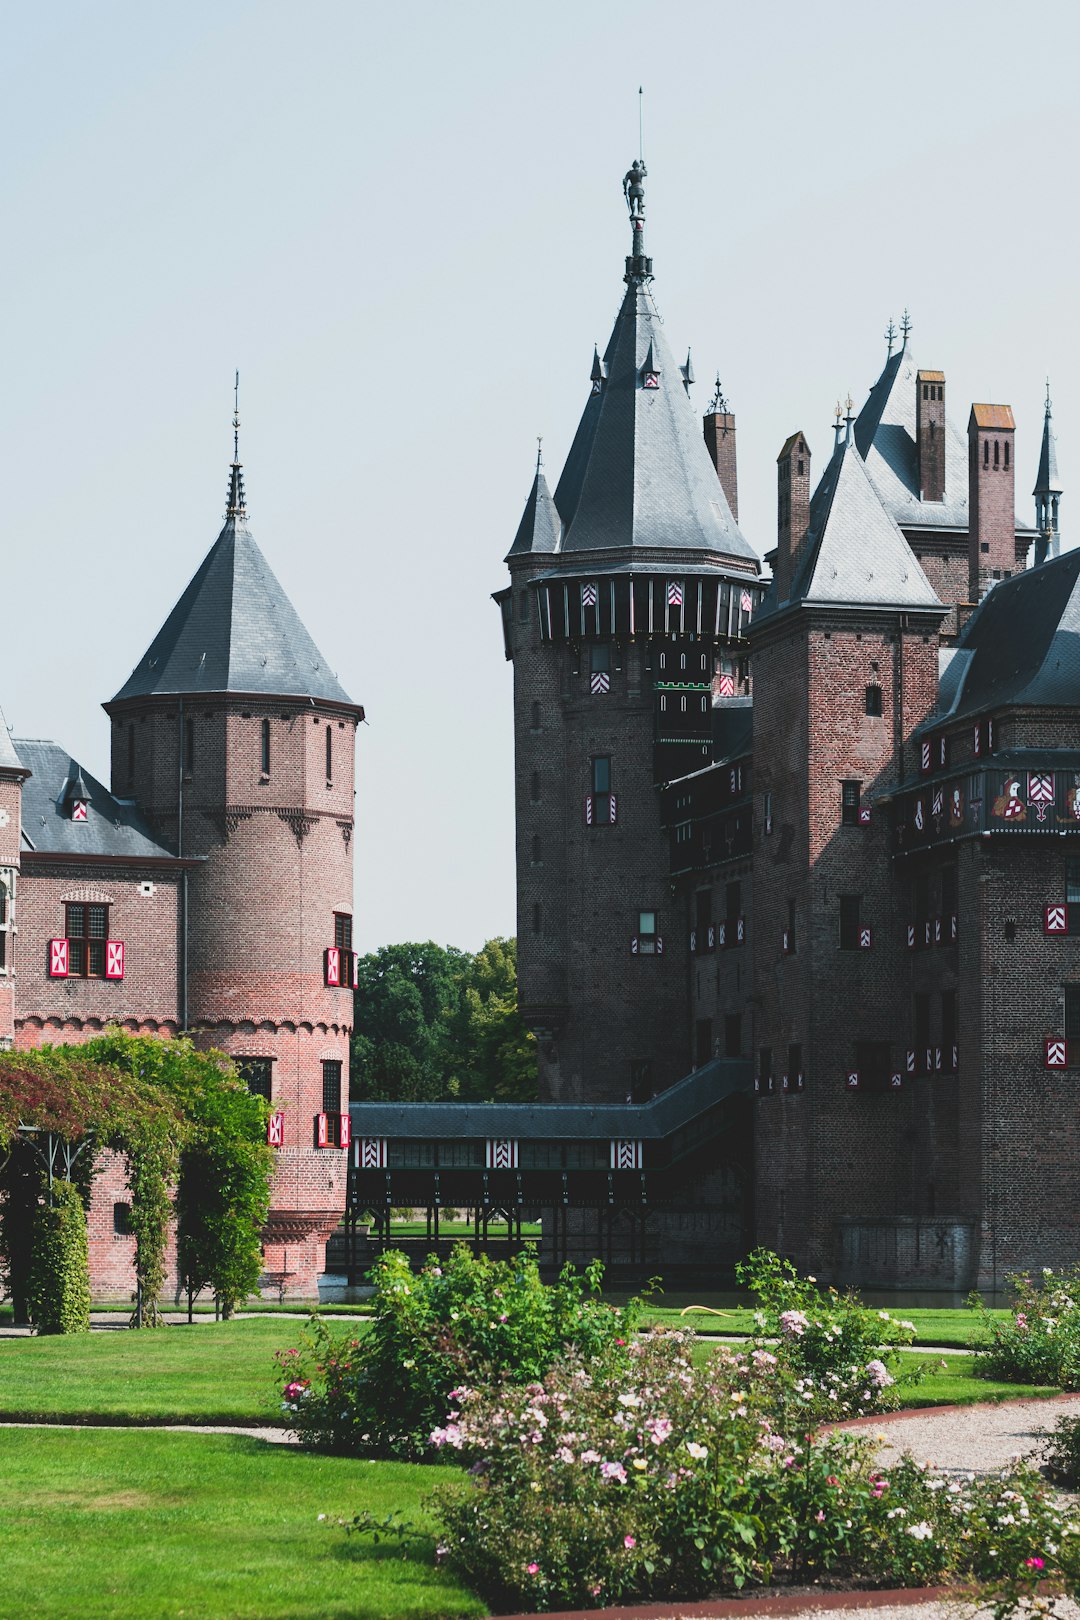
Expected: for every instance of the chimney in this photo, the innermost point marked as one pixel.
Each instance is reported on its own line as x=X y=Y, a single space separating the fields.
x=792 y=510
x=930 y=433
x=720 y=443
x=991 y=497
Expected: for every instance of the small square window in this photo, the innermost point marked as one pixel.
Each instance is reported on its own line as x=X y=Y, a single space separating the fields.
x=647 y=932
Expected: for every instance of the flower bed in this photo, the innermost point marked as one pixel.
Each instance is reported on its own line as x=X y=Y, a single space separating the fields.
x=1040 y=1342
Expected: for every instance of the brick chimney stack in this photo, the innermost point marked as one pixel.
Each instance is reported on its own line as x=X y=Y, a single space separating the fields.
x=719 y=424
x=991 y=497
x=930 y=433
x=792 y=509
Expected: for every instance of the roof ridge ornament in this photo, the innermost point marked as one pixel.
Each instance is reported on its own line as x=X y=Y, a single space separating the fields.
x=638 y=264
x=236 y=507
x=906 y=323
x=890 y=335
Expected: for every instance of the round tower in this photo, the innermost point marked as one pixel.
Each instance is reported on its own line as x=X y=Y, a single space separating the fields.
x=237 y=742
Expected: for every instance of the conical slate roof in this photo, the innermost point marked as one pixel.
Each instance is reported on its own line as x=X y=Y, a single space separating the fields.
x=234 y=630
x=885 y=435
x=9 y=758
x=539 y=529
x=855 y=553
x=638 y=475
x=1048 y=482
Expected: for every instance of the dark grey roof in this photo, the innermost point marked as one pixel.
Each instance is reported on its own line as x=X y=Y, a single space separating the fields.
x=234 y=630
x=638 y=472
x=854 y=552
x=558 y=1121
x=539 y=529
x=1047 y=482
x=113 y=826
x=732 y=728
x=1023 y=642
x=9 y=759
x=885 y=435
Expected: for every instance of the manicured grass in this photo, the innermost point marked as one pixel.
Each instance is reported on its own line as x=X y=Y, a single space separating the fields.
x=213 y=1372
x=129 y=1526
x=950 y=1327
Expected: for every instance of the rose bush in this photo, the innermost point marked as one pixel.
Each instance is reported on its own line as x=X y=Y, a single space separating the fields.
x=1040 y=1343
x=470 y=1320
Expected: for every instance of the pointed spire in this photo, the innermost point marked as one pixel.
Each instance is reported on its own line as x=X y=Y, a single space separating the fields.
x=598 y=372
x=1047 y=491
x=540 y=530
x=638 y=265
x=236 y=507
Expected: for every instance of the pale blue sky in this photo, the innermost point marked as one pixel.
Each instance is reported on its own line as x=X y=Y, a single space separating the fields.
x=405 y=226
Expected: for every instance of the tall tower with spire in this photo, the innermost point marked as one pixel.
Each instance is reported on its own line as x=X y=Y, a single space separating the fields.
x=237 y=741
x=1047 y=492
x=630 y=594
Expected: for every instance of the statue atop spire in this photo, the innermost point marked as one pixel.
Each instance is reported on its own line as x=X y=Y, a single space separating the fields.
x=638 y=265
x=236 y=507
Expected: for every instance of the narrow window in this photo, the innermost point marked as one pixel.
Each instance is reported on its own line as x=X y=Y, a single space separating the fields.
x=800 y=466
x=1006 y=455
x=732 y=908
x=764 y=1065
x=949 y=893
x=601 y=773
x=791 y=927
x=87 y=929
x=647 y=933
x=703 y=917
x=732 y=1035
x=794 y=1065
x=948 y=1027
x=131 y=753
x=1072 y=1023
x=5 y=920
x=850 y=794
x=850 y=915
x=641 y=1087
x=920 y=1025
x=534 y=720
x=926 y=390
x=329 y=754
x=873 y=1060
x=342 y=931
x=523 y=607
x=189 y=746
x=257 y=1075
x=331 y=1099
x=997 y=454
x=264 y=754
x=1072 y=892
x=121 y=1220
x=873 y=700
x=986 y=452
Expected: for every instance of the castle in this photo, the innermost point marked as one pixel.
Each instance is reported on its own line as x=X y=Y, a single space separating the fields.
x=827 y=825
x=209 y=889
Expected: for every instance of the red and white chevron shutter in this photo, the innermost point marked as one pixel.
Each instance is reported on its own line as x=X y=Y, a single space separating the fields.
x=675 y=593
x=911 y=936
x=332 y=965
x=114 y=959
x=896 y=1081
x=1055 y=1052
x=864 y=815
x=625 y=1153
x=866 y=938
x=726 y=686
x=910 y=1062
x=58 y=959
x=1056 y=918
x=78 y=810
x=275 y=1130
x=711 y=935
x=502 y=1153
x=371 y=1152
x=599 y=682
x=851 y=1080
x=693 y=941
x=345 y=1133
x=322 y=1130
x=740 y=931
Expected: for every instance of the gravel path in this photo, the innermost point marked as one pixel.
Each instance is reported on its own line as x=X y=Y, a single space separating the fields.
x=272 y=1436
x=973 y=1439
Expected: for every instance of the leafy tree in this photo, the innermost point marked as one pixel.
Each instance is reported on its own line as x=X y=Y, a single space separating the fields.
x=59 y=1283
x=433 y=1023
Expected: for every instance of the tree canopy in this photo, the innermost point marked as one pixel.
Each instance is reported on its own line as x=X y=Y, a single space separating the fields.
x=433 y=1023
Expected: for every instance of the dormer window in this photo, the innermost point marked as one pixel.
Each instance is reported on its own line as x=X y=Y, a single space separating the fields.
x=650 y=371
x=651 y=379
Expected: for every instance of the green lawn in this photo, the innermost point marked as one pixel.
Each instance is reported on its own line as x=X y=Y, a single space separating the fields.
x=216 y=1371
x=945 y=1327
x=142 y=1526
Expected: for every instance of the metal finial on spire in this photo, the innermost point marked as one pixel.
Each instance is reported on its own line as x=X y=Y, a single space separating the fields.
x=718 y=403
x=890 y=334
x=641 y=123
x=1048 y=396
x=539 y=451
x=906 y=323
x=838 y=426
x=849 y=416
x=236 y=505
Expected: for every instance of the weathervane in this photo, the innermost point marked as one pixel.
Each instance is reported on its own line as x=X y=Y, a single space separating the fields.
x=906 y=324
x=890 y=334
x=719 y=403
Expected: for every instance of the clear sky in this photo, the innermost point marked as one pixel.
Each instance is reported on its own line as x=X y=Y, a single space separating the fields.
x=404 y=224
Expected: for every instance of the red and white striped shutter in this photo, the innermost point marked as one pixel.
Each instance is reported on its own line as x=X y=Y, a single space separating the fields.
x=786 y=945
x=989 y=736
x=712 y=937
x=977 y=739
x=740 y=930
x=1055 y=1052
x=864 y=815
x=910 y=1062
x=625 y=1153
x=723 y=936
x=275 y=1130
x=346 y=1130
x=911 y=936
x=953 y=928
x=502 y=1153
x=943 y=753
x=866 y=939
x=371 y=1152
x=896 y=1081
x=588 y=809
x=929 y=1056
x=937 y=930
x=114 y=959
x=332 y=965
x=937 y=1058
x=614 y=809
x=1056 y=918
x=693 y=941
x=659 y=945
x=924 y=755
x=58 y=959
x=633 y=944
x=956 y=1060
x=355 y=967
x=78 y=810
x=322 y=1122
x=927 y=931
x=851 y=1080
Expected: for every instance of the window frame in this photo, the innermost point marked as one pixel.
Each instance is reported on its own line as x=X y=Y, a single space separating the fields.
x=85 y=940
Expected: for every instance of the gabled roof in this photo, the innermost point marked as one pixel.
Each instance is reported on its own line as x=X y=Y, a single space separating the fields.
x=234 y=630
x=112 y=826
x=539 y=529
x=1047 y=481
x=638 y=473
x=1022 y=643
x=9 y=759
x=885 y=435
x=854 y=553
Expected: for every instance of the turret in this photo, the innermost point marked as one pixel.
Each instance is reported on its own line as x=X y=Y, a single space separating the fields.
x=1047 y=492
x=719 y=427
x=991 y=497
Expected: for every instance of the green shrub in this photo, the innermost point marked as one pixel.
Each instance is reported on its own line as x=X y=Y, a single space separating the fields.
x=655 y=1479
x=60 y=1268
x=836 y=1357
x=1062 y=1451
x=1040 y=1343
x=468 y=1321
